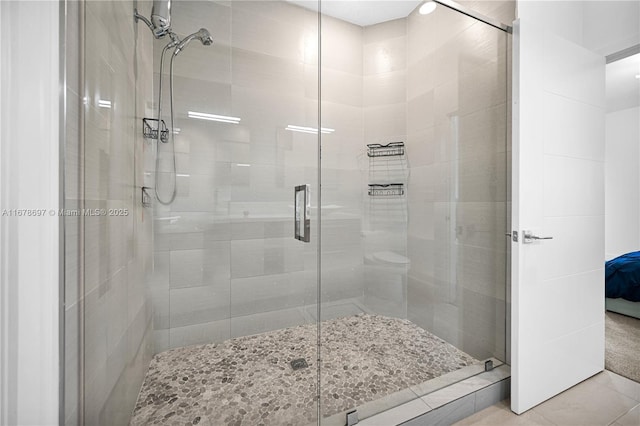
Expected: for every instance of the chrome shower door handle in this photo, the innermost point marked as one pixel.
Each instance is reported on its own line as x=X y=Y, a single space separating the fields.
x=302 y=207
x=528 y=237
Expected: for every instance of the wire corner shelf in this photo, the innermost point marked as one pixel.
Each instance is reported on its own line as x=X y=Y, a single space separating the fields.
x=150 y=132
x=386 y=189
x=391 y=149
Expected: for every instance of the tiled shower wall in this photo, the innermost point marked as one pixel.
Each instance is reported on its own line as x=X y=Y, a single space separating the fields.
x=109 y=256
x=343 y=159
x=384 y=233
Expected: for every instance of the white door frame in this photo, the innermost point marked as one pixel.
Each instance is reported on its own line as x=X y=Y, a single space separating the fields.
x=29 y=182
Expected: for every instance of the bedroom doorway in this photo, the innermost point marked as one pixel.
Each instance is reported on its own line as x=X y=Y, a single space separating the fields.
x=622 y=213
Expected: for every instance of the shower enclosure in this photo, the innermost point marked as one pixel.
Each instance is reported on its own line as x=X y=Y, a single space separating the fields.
x=388 y=135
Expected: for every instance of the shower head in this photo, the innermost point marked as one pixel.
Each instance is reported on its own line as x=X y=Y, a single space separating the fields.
x=203 y=35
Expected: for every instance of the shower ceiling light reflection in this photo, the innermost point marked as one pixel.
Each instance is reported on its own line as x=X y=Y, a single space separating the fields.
x=427 y=8
x=311 y=130
x=213 y=117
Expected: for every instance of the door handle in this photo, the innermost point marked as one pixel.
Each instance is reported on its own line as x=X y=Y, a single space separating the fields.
x=528 y=237
x=302 y=206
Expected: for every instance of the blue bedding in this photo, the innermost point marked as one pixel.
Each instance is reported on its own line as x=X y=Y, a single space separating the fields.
x=622 y=277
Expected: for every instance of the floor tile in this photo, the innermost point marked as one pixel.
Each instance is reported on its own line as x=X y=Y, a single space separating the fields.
x=501 y=414
x=397 y=415
x=388 y=402
x=619 y=383
x=586 y=404
x=447 y=414
x=632 y=418
x=455 y=391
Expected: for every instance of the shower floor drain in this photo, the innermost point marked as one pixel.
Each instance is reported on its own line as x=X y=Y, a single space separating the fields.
x=298 y=364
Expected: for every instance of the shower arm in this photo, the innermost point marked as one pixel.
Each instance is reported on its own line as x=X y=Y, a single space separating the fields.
x=138 y=17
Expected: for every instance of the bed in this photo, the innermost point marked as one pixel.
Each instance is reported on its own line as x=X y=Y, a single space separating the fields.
x=622 y=284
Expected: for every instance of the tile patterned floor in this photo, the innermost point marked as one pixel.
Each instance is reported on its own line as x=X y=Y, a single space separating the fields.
x=248 y=380
x=603 y=400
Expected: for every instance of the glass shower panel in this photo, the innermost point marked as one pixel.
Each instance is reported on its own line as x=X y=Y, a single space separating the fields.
x=468 y=299
x=413 y=207
x=229 y=270
x=114 y=244
x=273 y=274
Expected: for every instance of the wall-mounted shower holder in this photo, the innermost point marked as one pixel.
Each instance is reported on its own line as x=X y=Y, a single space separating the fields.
x=151 y=132
x=145 y=197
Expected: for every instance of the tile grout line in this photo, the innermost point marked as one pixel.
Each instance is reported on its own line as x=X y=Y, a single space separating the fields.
x=624 y=414
x=539 y=414
x=613 y=388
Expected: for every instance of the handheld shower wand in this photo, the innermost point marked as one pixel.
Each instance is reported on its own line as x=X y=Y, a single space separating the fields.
x=202 y=34
x=160 y=25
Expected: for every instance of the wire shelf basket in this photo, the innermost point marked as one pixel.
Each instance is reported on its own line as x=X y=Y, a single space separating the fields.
x=388 y=150
x=386 y=189
x=151 y=132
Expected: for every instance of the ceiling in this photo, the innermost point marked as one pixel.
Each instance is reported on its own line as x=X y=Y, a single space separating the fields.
x=623 y=88
x=363 y=12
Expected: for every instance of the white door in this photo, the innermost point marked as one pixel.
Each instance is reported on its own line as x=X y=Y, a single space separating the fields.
x=558 y=192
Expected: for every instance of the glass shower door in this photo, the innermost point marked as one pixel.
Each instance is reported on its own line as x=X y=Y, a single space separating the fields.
x=207 y=301
x=238 y=279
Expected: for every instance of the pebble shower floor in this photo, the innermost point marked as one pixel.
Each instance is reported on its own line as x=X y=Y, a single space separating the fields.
x=249 y=380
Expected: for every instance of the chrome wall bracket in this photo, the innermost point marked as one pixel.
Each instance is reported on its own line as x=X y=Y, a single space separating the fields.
x=352 y=418
x=145 y=197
